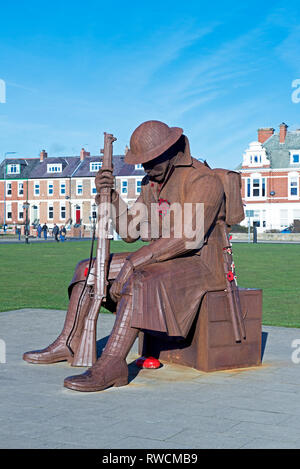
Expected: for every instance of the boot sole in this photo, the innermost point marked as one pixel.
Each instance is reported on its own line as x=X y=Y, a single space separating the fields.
x=87 y=388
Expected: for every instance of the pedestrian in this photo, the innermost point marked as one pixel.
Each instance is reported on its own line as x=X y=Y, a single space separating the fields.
x=62 y=233
x=55 y=232
x=39 y=230
x=18 y=232
x=45 y=230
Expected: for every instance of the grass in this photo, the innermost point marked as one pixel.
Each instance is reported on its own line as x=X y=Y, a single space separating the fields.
x=37 y=275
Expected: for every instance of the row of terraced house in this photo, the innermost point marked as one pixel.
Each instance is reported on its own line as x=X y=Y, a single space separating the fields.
x=59 y=190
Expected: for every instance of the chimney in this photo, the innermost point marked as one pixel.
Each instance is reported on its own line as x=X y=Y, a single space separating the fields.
x=43 y=155
x=126 y=150
x=282 y=132
x=83 y=154
x=264 y=133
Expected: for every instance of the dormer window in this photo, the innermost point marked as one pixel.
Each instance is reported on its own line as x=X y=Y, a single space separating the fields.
x=54 y=168
x=95 y=166
x=13 y=168
x=294 y=156
x=138 y=166
x=255 y=155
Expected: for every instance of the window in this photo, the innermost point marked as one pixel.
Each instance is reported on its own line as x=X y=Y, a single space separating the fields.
x=8 y=212
x=248 y=187
x=13 y=169
x=50 y=212
x=95 y=166
x=93 y=187
x=124 y=187
x=54 y=168
x=8 y=188
x=139 y=166
x=36 y=188
x=295 y=156
x=20 y=188
x=50 y=188
x=94 y=212
x=62 y=188
x=138 y=186
x=256 y=186
x=20 y=212
x=284 y=220
x=62 y=212
x=293 y=182
x=79 y=190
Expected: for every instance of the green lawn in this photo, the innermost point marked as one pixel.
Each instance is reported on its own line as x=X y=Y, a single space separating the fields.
x=37 y=275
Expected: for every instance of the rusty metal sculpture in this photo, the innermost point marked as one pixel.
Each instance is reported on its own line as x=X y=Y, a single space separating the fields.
x=160 y=286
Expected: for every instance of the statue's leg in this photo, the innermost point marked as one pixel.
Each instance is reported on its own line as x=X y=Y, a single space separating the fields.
x=58 y=350
x=74 y=321
x=111 y=368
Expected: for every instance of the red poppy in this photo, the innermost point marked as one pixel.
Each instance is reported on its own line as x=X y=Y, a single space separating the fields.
x=150 y=362
x=230 y=276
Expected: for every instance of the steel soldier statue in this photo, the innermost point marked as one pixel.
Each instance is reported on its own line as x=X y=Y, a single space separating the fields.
x=160 y=286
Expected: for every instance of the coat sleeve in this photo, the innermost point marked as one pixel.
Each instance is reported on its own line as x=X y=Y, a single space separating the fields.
x=202 y=197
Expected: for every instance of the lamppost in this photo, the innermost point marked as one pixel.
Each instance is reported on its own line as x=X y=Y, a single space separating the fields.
x=26 y=206
x=4 y=186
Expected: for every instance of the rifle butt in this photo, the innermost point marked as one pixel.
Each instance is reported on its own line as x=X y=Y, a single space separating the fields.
x=86 y=352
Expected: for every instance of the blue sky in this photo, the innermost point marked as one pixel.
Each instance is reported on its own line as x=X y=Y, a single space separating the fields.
x=76 y=69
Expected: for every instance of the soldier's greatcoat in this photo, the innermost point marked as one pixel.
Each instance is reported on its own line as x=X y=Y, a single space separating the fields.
x=167 y=291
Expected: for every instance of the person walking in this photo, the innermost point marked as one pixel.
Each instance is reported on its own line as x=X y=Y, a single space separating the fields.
x=45 y=230
x=39 y=230
x=62 y=233
x=55 y=232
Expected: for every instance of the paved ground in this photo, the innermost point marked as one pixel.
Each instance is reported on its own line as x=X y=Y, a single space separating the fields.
x=172 y=407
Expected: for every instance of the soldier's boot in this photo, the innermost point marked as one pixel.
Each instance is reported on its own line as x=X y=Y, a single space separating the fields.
x=111 y=368
x=73 y=326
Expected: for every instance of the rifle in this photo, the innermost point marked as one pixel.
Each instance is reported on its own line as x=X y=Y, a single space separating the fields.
x=232 y=288
x=86 y=352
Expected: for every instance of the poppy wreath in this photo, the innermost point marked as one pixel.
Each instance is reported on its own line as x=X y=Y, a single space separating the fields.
x=163 y=207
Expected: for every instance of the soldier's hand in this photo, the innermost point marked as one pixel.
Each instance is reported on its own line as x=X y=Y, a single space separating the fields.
x=122 y=277
x=104 y=179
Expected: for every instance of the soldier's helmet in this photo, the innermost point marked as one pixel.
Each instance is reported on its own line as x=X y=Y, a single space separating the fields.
x=150 y=140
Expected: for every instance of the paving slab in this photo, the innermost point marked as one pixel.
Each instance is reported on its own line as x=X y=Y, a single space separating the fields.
x=174 y=407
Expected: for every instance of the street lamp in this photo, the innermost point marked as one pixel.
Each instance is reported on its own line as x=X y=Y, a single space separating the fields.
x=26 y=206
x=4 y=198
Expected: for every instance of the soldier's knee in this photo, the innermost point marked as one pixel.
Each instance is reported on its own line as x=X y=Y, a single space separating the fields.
x=79 y=274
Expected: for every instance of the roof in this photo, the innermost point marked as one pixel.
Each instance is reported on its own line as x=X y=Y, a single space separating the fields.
x=69 y=164
x=27 y=165
x=279 y=153
x=33 y=168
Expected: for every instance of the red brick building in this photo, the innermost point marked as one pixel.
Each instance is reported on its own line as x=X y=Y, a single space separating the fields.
x=270 y=178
